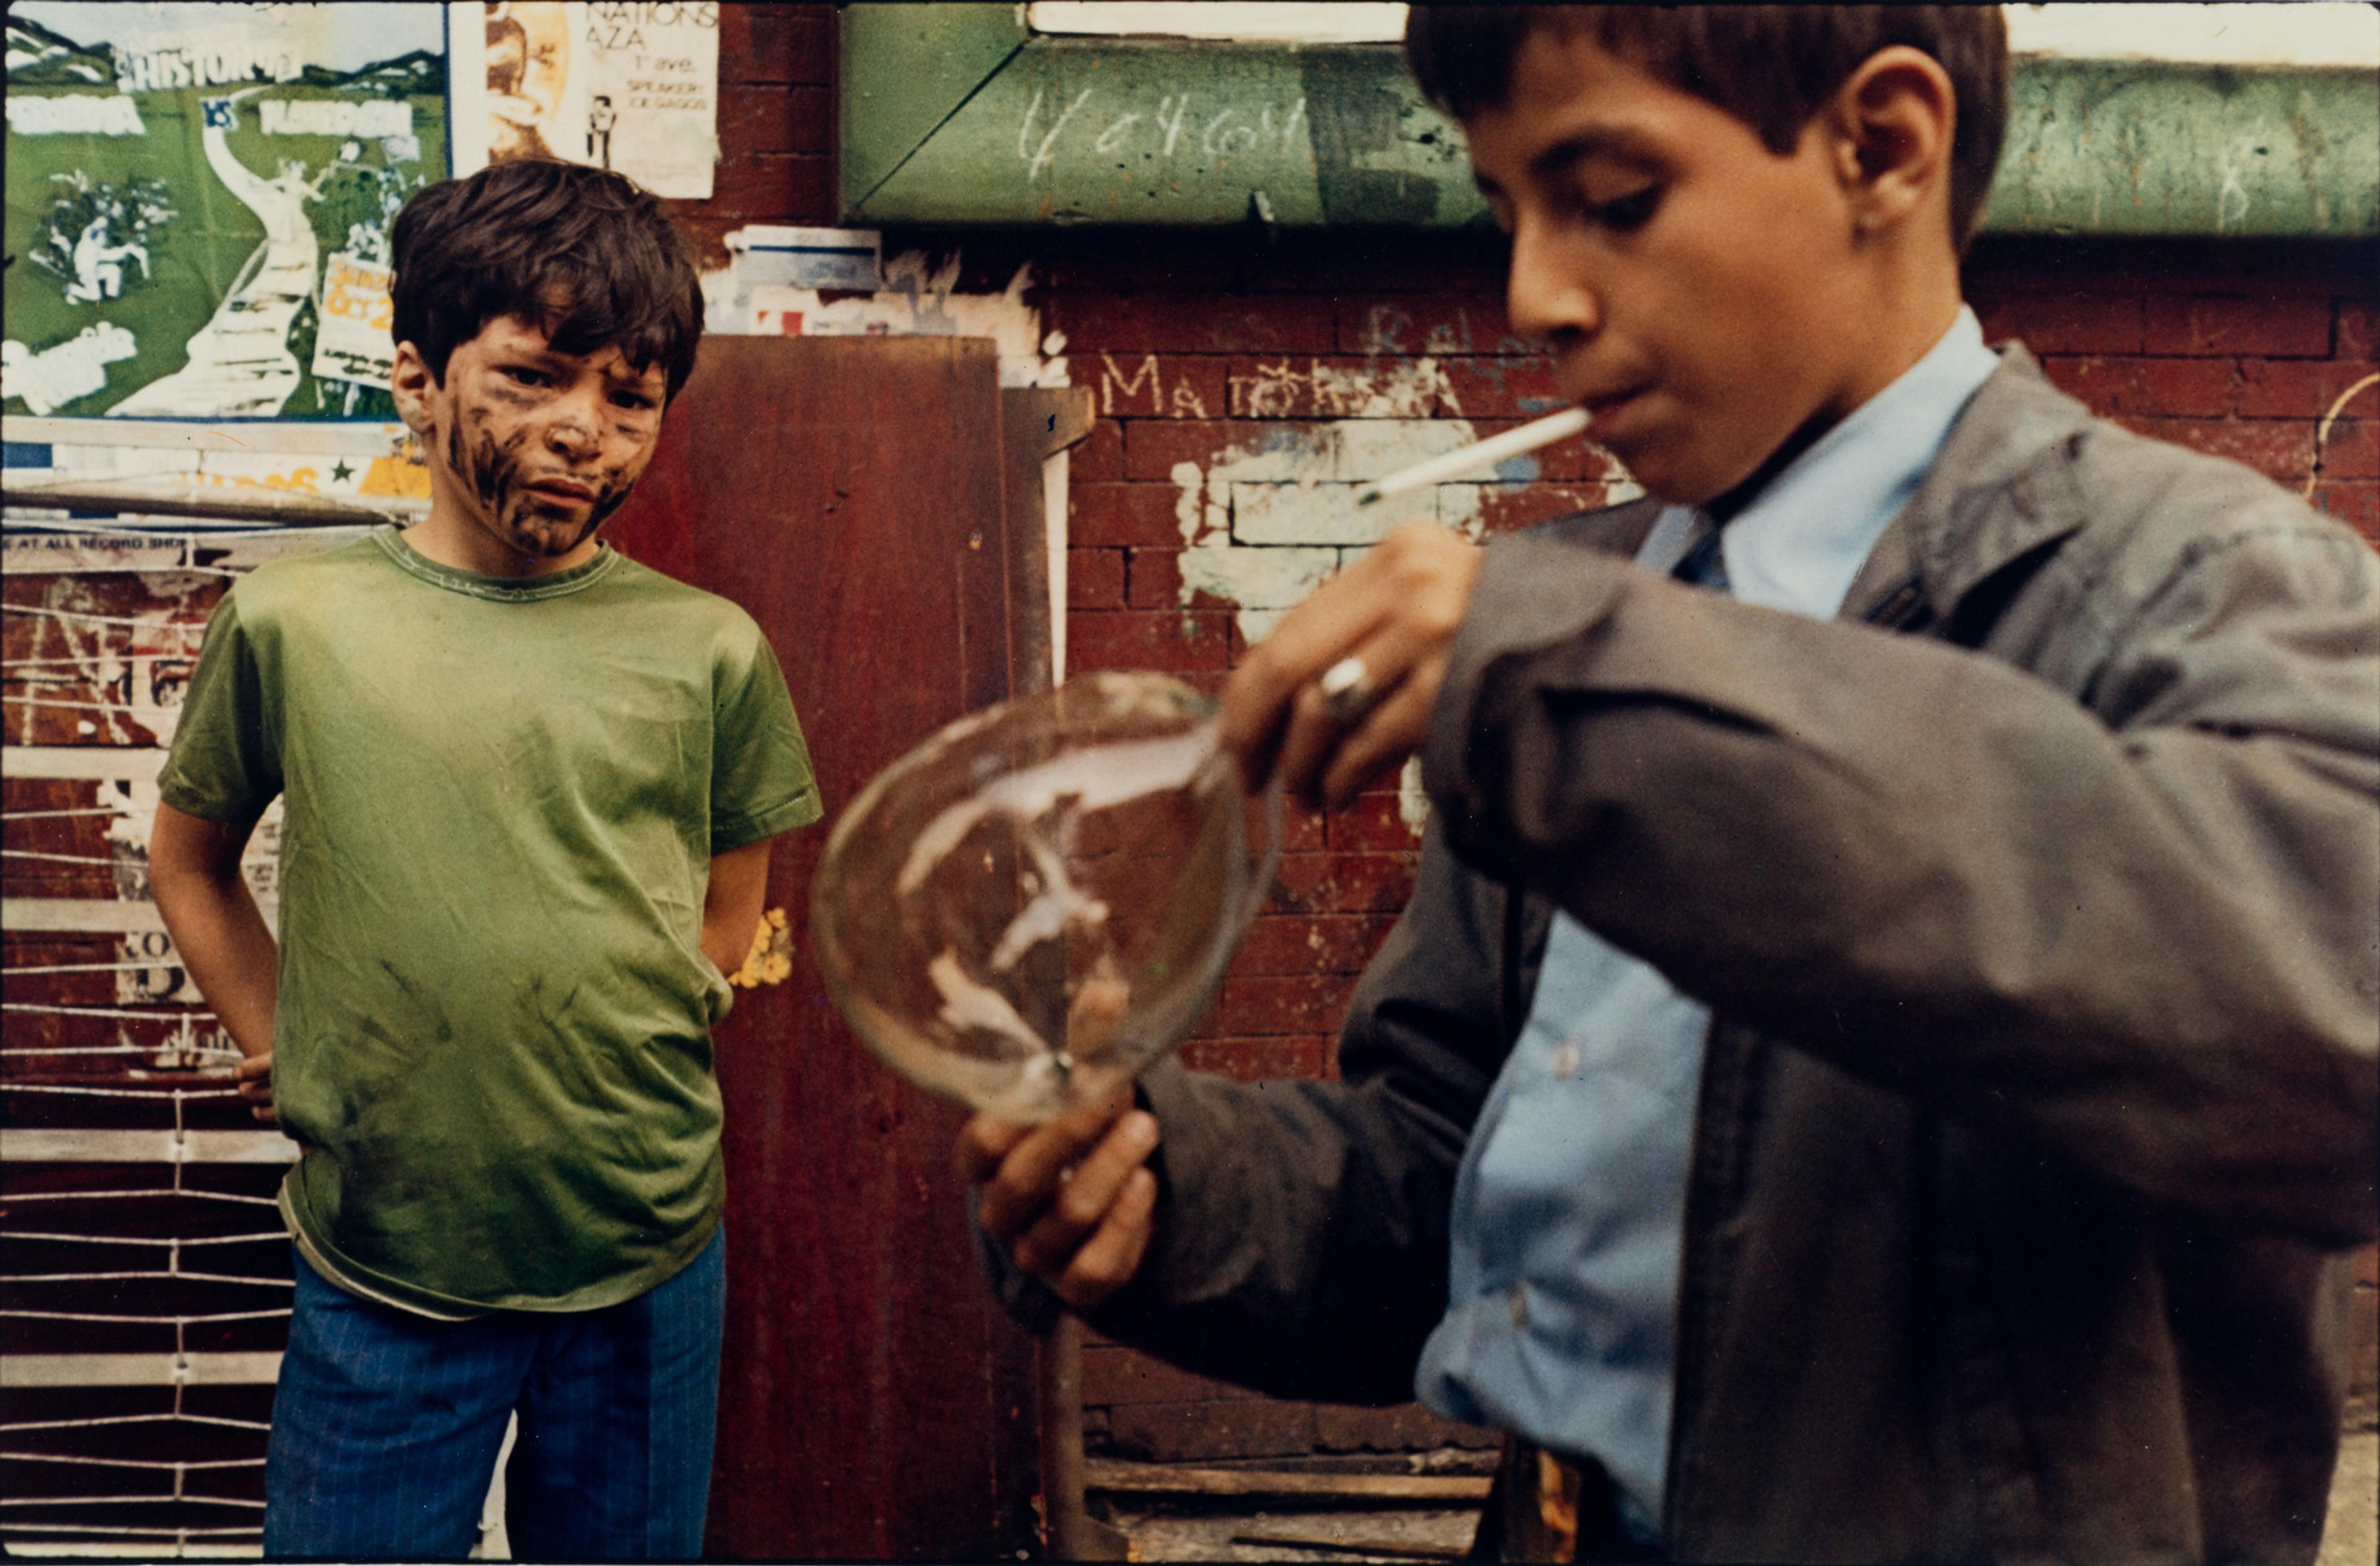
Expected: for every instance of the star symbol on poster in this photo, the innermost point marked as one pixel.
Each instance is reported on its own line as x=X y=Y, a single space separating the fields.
x=342 y=473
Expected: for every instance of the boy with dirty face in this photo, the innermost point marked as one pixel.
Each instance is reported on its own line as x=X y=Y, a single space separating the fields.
x=528 y=789
x=1879 y=1062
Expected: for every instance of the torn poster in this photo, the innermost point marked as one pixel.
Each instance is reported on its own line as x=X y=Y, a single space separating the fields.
x=180 y=178
x=354 y=343
x=769 y=255
x=761 y=293
x=628 y=87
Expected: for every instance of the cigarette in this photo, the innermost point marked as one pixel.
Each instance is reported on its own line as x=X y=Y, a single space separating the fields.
x=1496 y=448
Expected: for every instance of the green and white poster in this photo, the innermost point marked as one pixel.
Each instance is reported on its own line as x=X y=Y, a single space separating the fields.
x=199 y=202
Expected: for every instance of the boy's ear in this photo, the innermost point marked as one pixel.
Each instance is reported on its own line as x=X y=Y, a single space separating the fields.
x=409 y=383
x=1894 y=117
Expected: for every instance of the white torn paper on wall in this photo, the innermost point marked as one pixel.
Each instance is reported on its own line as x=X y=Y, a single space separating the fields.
x=632 y=87
x=58 y=374
x=769 y=255
x=353 y=342
x=915 y=297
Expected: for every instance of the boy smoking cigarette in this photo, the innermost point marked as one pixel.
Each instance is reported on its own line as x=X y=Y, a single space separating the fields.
x=1879 y=1064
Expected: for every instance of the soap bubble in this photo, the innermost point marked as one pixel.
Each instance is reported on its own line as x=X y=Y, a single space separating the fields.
x=1040 y=899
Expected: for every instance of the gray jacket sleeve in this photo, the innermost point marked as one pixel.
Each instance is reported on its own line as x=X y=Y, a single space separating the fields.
x=1301 y=1243
x=2140 y=928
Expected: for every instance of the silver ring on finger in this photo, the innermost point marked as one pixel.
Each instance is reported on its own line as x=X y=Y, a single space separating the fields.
x=1347 y=691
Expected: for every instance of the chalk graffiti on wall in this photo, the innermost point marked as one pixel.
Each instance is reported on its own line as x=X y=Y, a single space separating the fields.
x=182 y=176
x=1170 y=127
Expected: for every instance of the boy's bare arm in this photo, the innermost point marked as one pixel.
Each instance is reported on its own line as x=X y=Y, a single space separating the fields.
x=220 y=935
x=730 y=903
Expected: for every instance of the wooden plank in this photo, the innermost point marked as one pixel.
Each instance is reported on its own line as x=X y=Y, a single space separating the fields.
x=1069 y=131
x=133 y=497
x=312 y=440
x=1400 y=1489
x=34 y=1144
x=137 y=1369
x=1038 y=422
x=945 y=54
x=1353 y=1544
x=878 y=1403
x=99 y=915
x=97 y=762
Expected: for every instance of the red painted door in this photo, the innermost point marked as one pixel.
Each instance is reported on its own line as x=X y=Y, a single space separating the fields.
x=874 y=1402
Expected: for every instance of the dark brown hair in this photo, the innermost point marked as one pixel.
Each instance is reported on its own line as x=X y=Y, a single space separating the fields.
x=1771 y=66
x=587 y=253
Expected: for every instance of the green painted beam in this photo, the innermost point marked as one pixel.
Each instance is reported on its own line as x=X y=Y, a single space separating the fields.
x=904 y=70
x=2157 y=148
x=1070 y=131
x=953 y=115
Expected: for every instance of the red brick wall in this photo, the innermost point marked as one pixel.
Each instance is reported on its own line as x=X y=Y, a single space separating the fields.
x=1200 y=343
x=776 y=123
x=2237 y=351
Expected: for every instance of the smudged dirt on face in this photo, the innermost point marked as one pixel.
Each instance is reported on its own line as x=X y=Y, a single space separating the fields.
x=490 y=462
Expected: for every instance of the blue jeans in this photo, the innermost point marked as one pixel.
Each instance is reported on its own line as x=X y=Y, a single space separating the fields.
x=386 y=1425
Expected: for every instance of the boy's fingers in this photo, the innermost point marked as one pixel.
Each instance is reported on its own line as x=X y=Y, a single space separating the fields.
x=1396 y=609
x=1396 y=729
x=1315 y=738
x=1109 y=1258
x=1323 y=759
x=1262 y=696
x=1026 y=1177
x=1086 y=1198
x=252 y=1078
x=981 y=1143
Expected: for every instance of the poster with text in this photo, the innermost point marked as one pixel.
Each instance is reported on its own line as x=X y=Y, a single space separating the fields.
x=184 y=180
x=632 y=87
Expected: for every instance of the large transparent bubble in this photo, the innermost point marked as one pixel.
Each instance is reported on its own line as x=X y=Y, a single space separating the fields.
x=1041 y=899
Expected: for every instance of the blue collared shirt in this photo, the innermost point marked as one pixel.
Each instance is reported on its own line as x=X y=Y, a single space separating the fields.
x=1570 y=1204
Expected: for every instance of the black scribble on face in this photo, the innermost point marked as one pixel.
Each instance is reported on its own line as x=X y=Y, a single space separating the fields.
x=547 y=445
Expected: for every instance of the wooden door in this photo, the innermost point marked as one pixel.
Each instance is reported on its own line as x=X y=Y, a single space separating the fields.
x=848 y=494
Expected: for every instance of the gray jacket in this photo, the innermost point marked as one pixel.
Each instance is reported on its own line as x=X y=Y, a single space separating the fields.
x=2040 y=916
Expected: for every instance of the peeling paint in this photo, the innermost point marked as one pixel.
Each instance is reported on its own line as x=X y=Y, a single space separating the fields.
x=1413 y=800
x=134 y=671
x=1266 y=521
x=919 y=297
x=1266 y=526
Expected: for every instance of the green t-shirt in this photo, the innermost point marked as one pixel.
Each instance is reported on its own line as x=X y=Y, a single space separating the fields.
x=493 y=1037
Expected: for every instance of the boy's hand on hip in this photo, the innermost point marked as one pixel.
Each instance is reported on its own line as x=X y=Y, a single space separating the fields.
x=1341 y=691
x=254 y=1076
x=1072 y=1201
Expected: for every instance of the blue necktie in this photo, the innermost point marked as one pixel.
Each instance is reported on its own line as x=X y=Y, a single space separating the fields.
x=1704 y=563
